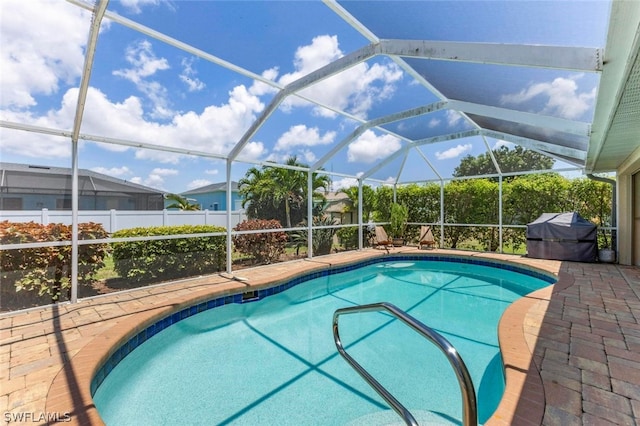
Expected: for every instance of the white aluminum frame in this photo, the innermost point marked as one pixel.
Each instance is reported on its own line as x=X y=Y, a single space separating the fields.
x=555 y=57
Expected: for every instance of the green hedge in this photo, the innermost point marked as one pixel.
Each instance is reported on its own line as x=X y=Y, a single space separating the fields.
x=348 y=237
x=159 y=260
x=524 y=198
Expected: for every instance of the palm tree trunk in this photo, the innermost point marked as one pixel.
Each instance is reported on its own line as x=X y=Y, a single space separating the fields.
x=287 y=211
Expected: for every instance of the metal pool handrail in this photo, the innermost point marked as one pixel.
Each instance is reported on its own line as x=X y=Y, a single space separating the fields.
x=469 y=405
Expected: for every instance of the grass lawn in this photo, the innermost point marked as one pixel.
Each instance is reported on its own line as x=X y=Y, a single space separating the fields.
x=108 y=272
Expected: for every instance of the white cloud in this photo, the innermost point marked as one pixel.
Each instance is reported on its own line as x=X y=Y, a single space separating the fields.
x=453 y=117
x=152 y=181
x=301 y=135
x=215 y=130
x=155 y=181
x=345 y=182
x=276 y=157
x=252 y=151
x=198 y=183
x=355 y=89
x=135 y=6
x=389 y=181
x=188 y=76
x=32 y=67
x=144 y=61
x=31 y=144
x=454 y=152
x=322 y=50
x=212 y=172
x=113 y=171
x=156 y=178
x=562 y=96
x=259 y=88
x=303 y=155
x=434 y=122
x=42 y=47
x=164 y=172
x=308 y=156
x=369 y=147
x=500 y=143
x=144 y=65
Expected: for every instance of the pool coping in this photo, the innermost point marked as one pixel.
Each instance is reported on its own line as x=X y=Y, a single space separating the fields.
x=72 y=385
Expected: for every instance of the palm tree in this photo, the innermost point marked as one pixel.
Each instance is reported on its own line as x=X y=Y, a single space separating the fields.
x=289 y=186
x=180 y=203
x=320 y=181
x=280 y=187
x=253 y=188
x=368 y=200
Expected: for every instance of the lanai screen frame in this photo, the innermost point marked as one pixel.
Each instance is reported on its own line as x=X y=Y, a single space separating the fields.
x=555 y=57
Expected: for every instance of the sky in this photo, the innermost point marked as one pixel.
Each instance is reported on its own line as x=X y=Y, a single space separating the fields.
x=144 y=90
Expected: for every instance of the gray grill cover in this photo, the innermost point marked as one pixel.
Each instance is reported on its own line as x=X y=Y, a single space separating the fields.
x=562 y=236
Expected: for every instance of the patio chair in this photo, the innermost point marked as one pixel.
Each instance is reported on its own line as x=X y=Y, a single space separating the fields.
x=381 y=239
x=426 y=237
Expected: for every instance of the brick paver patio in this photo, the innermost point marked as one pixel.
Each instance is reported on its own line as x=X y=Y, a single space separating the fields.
x=571 y=351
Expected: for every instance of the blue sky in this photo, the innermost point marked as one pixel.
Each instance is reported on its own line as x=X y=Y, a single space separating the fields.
x=145 y=90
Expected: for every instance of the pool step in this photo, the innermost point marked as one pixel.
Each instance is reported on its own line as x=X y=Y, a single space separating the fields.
x=391 y=418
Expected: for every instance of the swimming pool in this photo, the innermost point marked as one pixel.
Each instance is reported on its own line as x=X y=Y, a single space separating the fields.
x=274 y=361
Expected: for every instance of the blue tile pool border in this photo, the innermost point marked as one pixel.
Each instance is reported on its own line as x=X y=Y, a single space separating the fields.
x=127 y=347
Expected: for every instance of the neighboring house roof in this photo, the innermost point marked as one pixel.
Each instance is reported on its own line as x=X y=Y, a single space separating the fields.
x=337 y=202
x=18 y=177
x=214 y=187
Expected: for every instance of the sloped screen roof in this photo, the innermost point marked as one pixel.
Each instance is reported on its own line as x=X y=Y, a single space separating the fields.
x=164 y=93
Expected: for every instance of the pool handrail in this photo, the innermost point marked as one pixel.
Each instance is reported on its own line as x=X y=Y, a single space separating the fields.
x=469 y=405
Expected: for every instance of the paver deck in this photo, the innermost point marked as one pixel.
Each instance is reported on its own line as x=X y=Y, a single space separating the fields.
x=571 y=351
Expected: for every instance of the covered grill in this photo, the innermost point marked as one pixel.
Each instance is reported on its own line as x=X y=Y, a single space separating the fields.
x=562 y=236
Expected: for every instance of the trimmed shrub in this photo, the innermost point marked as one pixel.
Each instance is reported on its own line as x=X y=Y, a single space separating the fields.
x=264 y=247
x=47 y=270
x=322 y=238
x=348 y=237
x=160 y=260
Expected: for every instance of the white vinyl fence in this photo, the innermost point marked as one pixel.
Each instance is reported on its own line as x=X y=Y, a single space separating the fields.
x=114 y=220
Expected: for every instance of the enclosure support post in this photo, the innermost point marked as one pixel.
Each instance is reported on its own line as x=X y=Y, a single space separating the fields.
x=229 y=266
x=360 y=242
x=74 y=221
x=309 y=214
x=500 y=214
x=98 y=12
x=441 y=213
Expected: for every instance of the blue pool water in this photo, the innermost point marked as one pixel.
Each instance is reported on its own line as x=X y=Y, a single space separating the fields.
x=274 y=361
